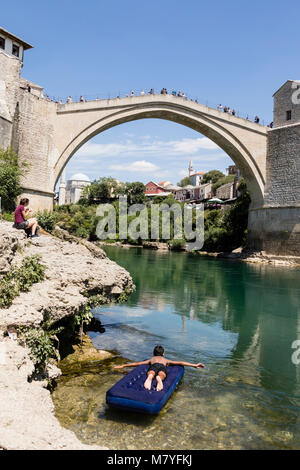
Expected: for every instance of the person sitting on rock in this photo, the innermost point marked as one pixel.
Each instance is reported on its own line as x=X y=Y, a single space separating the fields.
x=21 y=213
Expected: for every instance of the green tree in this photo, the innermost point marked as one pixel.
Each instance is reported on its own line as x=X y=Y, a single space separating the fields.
x=11 y=170
x=135 y=192
x=101 y=191
x=184 y=182
x=213 y=176
x=221 y=181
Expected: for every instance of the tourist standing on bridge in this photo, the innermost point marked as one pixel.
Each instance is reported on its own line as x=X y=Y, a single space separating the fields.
x=219 y=107
x=233 y=112
x=81 y=99
x=256 y=119
x=69 y=99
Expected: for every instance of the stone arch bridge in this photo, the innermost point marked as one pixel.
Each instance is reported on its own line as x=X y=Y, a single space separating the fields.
x=242 y=140
x=47 y=135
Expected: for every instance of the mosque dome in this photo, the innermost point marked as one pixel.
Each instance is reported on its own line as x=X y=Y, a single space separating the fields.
x=80 y=177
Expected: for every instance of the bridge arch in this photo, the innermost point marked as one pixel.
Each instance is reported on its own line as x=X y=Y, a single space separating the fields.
x=243 y=141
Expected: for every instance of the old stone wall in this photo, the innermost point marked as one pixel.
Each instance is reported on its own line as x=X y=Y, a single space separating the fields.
x=9 y=73
x=286 y=99
x=275 y=230
x=26 y=123
x=226 y=191
x=5 y=132
x=34 y=138
x=283 y=167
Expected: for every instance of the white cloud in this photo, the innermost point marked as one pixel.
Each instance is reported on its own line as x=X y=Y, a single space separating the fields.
x=155 y=148
x=140 y=166
x=190 y=146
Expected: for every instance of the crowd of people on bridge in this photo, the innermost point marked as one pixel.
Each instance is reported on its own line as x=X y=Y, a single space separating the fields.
x=227 y=109
x=164 y=91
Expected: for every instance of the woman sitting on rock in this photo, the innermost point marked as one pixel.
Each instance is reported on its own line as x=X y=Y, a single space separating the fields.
x=21 y=212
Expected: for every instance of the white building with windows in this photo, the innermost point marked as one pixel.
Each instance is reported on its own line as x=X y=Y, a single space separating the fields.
x=70 y=192
x=12 y=45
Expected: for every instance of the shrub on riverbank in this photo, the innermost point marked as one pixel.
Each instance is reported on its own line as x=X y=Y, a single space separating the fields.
x=20 y=279
x=11 y=170
x=9 y=216
x=42 y=345
x=224 y=230
x=47 y=220
x=77 y=219
x=177 y=244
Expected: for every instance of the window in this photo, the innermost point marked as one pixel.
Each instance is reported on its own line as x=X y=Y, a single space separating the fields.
x=289 y=115
x=2 y=43
x=15 y=50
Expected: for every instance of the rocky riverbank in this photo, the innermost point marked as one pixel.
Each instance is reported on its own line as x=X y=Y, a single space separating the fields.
x=239 y=254
x=73 y=270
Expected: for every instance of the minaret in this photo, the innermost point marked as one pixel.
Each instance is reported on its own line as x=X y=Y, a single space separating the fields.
x=191 y=169
x=62 y=189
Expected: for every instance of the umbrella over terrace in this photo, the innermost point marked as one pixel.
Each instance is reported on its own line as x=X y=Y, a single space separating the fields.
x=215 y=200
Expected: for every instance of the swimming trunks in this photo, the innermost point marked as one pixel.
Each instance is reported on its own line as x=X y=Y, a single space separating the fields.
x=157 y=367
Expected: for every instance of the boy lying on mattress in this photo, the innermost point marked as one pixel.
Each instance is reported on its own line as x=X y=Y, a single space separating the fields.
x=158 y=367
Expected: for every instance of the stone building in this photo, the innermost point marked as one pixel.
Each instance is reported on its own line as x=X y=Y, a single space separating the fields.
x=205 y=191
x=226 y=191
x=12 y=45
x=195 y=176
x=233 y=170
x=287 y=104
x=73 y=189
x=276 y=226
x=11 y=60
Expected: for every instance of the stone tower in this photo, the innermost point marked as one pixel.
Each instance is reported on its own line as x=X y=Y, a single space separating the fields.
x=62 y=189
x=275 y=228
x=191 y=169
x=11 y=60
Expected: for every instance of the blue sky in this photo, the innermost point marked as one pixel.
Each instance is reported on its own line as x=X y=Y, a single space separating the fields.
x=236 y=53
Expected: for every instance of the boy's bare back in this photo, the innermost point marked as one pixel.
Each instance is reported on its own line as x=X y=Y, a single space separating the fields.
x=158 y=359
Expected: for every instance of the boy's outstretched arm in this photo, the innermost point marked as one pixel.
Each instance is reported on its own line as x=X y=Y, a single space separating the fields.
x=132 y=364
x=187 y=364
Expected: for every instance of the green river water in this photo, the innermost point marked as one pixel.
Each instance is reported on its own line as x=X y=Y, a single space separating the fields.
x=239 y=319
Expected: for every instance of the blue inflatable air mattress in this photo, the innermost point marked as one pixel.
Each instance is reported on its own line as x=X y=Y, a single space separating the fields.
x=130 y=394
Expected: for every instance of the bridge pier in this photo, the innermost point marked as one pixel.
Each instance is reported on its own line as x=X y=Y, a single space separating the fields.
x=275 y=230
x=275 y=227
